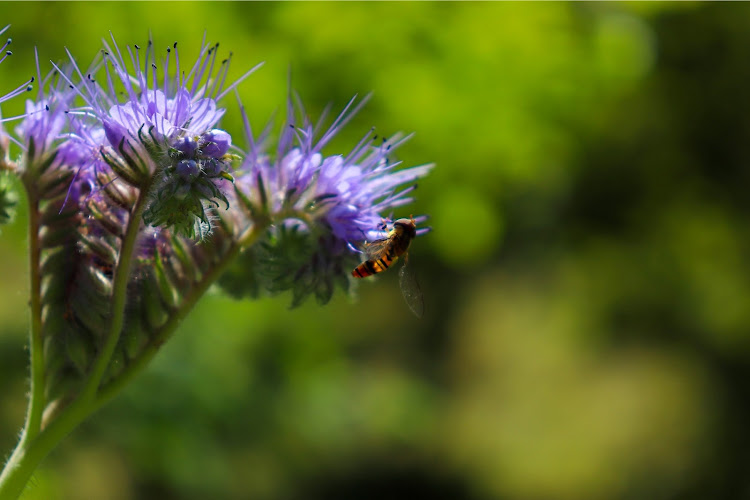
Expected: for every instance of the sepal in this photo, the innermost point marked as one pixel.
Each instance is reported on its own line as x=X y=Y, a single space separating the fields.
x=191 y=186
x=291 y=258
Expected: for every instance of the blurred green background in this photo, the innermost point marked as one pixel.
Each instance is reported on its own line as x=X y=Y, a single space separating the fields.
x=587 y=329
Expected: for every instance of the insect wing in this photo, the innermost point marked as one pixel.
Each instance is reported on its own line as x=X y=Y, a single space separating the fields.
x=410 y=289
x=375 y=249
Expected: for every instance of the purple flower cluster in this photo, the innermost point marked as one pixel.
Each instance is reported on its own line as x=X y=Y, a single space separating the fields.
x=127 y=173
x=322 y=207
x=43 y=128
x=130 y=126
x=152 y=129
x=348 y=195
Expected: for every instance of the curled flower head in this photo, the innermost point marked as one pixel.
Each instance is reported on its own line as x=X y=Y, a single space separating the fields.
x=167 y=107
x=323 y=206
x=47 y=133
x=161 y=128
x=348 y=194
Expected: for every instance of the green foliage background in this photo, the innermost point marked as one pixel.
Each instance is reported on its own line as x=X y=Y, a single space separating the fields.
x=587 y=329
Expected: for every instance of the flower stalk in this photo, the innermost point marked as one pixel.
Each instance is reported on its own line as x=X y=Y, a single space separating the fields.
x=119 y=298
x=36 y=397
x=35 y=446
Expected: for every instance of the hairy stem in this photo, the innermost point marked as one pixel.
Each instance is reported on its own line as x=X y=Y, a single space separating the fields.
x=35 y=444
x=11 y=484
x=119 y=297
x=31 y=452
x=165 y=331
x=27 y=456
x=36 y=398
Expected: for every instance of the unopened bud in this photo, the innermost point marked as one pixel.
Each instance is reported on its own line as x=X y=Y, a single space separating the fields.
x=215 y=143
x=212 y=167
x=187 y=146
x=188 y=170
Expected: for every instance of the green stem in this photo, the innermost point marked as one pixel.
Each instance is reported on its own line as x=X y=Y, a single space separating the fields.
x=35 y=409
x=26 y=456
x=25 y=459
x=119 y=298
x=35 y=445
x=31 y=451
x=36 y=399
x=165 y=331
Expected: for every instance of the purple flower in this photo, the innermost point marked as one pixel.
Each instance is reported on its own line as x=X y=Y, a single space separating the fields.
x=348 y=194
x=161 y=129
x=322 y=206
x=43 y=123
x=215 y=143
x=81 y=153
x=46 y=123
x=164 y=107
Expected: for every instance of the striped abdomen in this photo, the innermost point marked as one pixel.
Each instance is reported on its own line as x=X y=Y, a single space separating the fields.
x=383 y=253
x=374 y=266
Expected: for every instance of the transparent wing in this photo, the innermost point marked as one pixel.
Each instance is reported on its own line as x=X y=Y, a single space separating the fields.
x=374 y=249
x=410 y=288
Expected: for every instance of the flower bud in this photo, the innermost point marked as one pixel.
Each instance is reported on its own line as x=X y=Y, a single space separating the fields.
x=115 y=132
x=188 y=170
x=187 y=146
x=212 y=167
x=215 y=143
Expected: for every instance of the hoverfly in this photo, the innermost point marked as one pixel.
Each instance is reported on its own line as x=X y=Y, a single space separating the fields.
x=384 y=252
